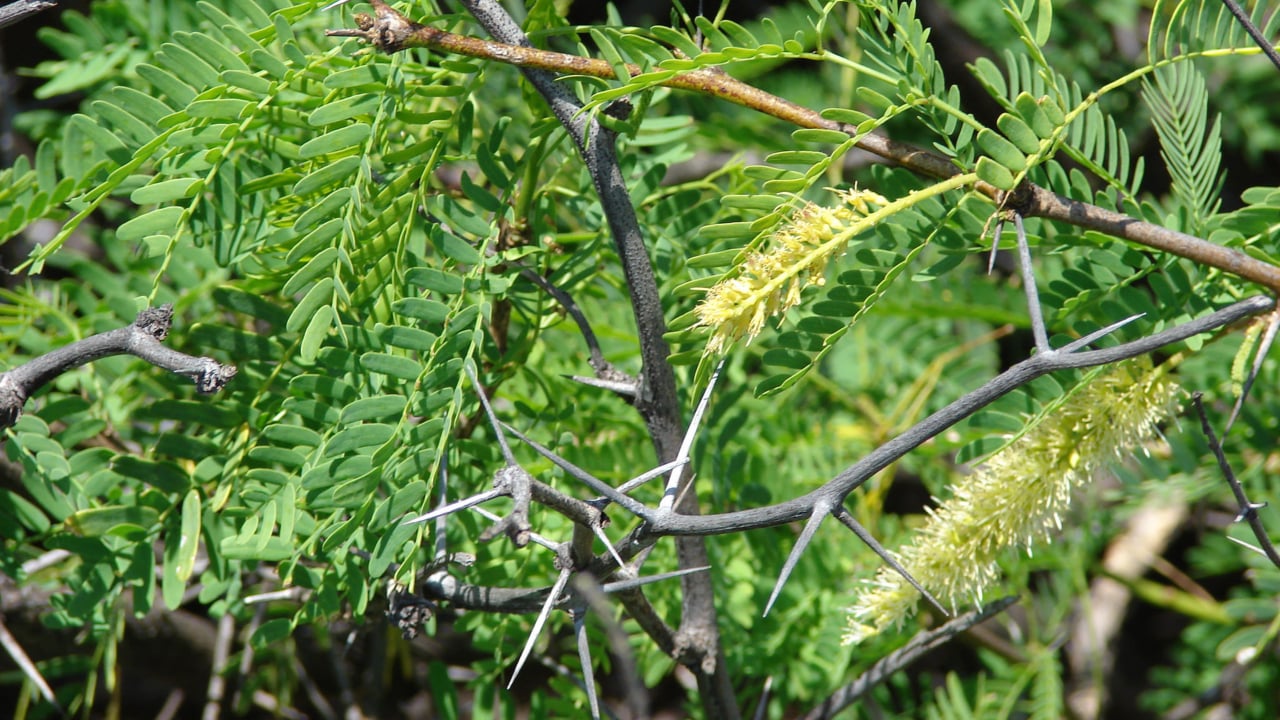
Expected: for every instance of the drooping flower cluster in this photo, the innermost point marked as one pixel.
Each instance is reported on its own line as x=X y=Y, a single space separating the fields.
x=1017 y=497
x=770 y=282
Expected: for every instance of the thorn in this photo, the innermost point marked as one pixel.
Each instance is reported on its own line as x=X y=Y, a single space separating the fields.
x=455 y=506
x=507 y=455
x=606 y=490
x=599 y=533
x=762 y=707
x=673 y=482
x=584 y=656
x=626 y=388
x=333 y=5
x=995 y=245
x=1247 y=545
x=618 y=585
x=1097 y=335
x=20 y=658
x=556 y=589
x=1249 y=511
x=441 y=540
x=821 y=510
x=648 y=475
x=846 y=518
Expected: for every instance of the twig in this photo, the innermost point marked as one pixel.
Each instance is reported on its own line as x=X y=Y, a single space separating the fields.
x=47 y=560
x=1020 y=374
x=835 y=490
x=1030 y=200
x=1038 y=330
x=218 y=681
x=19 y=10
x=1263 y=43
x=534 y=537
x=1093 y=634
x=312 y=690
x=657 y=398
x=604 y=369
x=292 y=594
x=919 y=645
x=1248 y=510
x=141 y=338
x=172 y=703
x=247 y=657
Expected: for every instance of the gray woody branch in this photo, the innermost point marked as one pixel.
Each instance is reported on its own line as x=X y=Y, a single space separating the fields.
x=14 y=12
x=657 y=398
x=141 y=338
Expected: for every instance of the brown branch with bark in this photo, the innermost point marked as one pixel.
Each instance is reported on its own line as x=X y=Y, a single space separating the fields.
x=390 y=31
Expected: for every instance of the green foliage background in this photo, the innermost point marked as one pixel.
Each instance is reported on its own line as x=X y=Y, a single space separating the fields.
x=348 y=229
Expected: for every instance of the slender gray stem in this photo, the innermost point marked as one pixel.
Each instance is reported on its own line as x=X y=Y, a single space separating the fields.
x=1248 y=510
x=1243 y=18
x=19 y=10
x=902 y=657
x=141 y=338
x=657 y=399
x=217 y=680
x=880 y=458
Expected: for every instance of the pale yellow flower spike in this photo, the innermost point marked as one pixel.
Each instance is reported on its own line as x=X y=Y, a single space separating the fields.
x=769 y=283
x=1018 y=496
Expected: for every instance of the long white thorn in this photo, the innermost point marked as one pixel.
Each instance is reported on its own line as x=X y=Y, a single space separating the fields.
x=456 y=505
x=820 y=512
x=673 y=483
x=556 y=589
x=584 y=656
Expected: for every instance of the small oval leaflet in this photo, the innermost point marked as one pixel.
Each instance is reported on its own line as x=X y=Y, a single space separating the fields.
x=336 y=141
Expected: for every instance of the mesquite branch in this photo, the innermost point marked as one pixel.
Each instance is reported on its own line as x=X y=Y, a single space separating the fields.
x=19 y=10
x=656 y=398
x=696 y=641
x=391 y=32
x=141 y=338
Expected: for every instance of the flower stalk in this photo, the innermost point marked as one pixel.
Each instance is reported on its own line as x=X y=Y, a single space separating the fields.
x=770 y=282
x=1017 y=498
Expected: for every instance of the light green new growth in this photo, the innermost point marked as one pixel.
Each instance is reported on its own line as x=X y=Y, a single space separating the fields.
x=770 y=282
x=1018 y=496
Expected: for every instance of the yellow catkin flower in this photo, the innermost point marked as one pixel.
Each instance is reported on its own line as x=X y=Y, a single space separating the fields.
x=1018 y=496
x=769 y=283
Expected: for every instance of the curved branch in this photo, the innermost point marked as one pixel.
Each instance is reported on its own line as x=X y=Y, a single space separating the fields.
x=20 y=10
x=141 y=338
x=875 y=461
x=902 y=657
x=1031 y=200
